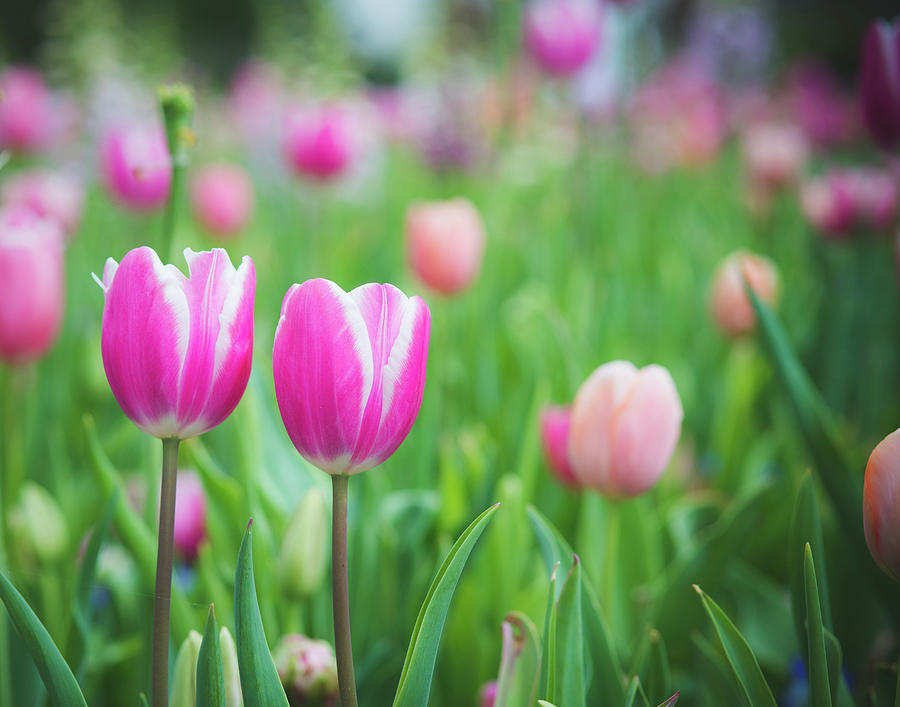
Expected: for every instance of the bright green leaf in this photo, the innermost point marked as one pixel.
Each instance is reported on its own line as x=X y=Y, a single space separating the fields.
x=570 y=641
x=210 y=678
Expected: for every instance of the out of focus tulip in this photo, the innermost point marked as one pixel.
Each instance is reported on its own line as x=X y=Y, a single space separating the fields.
x=488 y=696
x=51 y=195
x=828 y=205
x=774 y=154
x=875 y=197
x=881 y=504
x=190 y=515
x=31 y=284
x=729 y=303
x=304 y=549
x=37 y=527
x=827 y=116
x=255 y=100
x=136 y=166
x=230 y=671
x=184 y=680
x=308 y=671
x=555 y=423
x=845 y=199
x=880 y=81
x=445 y=243
x=349 y=371
x=222 y=199
x=319 y=142
x=625 y=425
x=177 y=350
x=562 y=35
x=26 y=113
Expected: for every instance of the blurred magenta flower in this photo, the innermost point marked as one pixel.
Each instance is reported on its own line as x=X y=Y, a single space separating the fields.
x=625 y=425
x=51 y=195
x=562 y=35
x=445 y=243
x=31 y=284
x=555 y=423
x=819 y=106
x=828 y=205
x=136 y=166
x=177 y=350
x=881 y=512
x=318 y=142
x=880 y=81
x=308 y=671
x=26 y=112
x=850 y=198
x=190 y=515
x=349 y=371
x=255 y=100
x=222 y=199
x=729 y=304
x=488 y=695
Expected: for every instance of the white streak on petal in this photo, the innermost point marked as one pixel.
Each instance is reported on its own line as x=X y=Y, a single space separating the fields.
x=399 y=356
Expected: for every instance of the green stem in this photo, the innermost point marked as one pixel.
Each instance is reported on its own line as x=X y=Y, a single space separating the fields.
x=177 y=104
x=340 y=592
x=162 y=596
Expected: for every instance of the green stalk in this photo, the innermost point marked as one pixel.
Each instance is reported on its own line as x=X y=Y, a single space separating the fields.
x=340 y=592
x=177 y=104
x=163 y=594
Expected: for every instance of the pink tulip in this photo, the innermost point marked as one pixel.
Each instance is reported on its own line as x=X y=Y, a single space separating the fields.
x=845 y=199
x=828 y=205
x=31 y=284
x=488 y=696
x=256 y=100
x=26 y=114
x=729 y=303
x=555 y=423
x=308 y=670
x=774 y=154
x=51 y=195
x=445 y=243
x=349 y=371
x=625 y=424
x=190 y=515
x=880 y=504
x=136 y=166
x=222 y=199
x=562 y=35
x=177 y=350
x=319 y=143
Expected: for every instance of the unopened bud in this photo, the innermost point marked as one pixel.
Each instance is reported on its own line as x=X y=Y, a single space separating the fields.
x=184 y=682
x=308 y=671
x=38 y=527
x=233 y=695
x=304 y=549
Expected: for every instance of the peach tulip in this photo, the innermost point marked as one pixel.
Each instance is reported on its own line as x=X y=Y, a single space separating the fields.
x=729 y=304
x=881 y=493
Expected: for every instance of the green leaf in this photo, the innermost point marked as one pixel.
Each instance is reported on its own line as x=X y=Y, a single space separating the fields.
x=840 y=693
x=544 y=703
x=259 y=679
x=418 y=668
x=743 y=662
x=671 y=701
x=819 y=689
x=547 y=686
x=142 y=698
x=520 y=662
x=652 y=662
x=210 y=678
x=61 y=685
x=635 y=696
x=570 y=641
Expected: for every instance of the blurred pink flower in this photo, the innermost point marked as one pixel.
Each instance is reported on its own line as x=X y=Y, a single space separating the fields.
x=53 y=195
x=488 y=695
x=318 y=142
x=555 y=423
x=826 y=114
x=881 y=505
x=562 y=35
x=846 y=199
x=729 y=304
x=136 y=166
x=222 y=199
x=256 y=100
x=26 y=114
x=190 y=515
x=880 y=81
x=774 y=153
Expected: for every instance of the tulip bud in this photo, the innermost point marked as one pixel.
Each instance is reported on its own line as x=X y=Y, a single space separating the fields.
x=25 y=110
x=729 y=303
x=222 y=199
x=562 y=35
x=488 y=694
x=51 y=195
x=625 y=424
x=38 y=527
x=304 y=549
x=190 y=514
x=136 y=166
x=774 y=154
x=233 y=695
x=880 y=504
x=319 y=143
x=308 y=671
x=555 y=422
x=184 y=680
x=880 y=81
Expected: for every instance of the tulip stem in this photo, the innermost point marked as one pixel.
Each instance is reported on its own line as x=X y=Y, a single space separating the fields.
x=177 y=104
x=340 y=591
x=163 y=595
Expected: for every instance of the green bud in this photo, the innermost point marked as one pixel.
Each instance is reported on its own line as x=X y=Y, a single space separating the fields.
x=37 y=526
x=184 y=682
x=304 y=549
x=233 y=695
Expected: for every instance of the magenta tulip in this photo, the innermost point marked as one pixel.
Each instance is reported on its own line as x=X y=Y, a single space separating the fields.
x=880 y=82
x=881 y=504
x=31 y=284
x=222 y=199
x=136 y=166
x=562 y=35
x=319 y=143
x=349 y=371
x=178 y=350
x=488 y=695
x=26 y=114
x=625 y=425
x=190 y=515
x=555 y=423
x=52 y=195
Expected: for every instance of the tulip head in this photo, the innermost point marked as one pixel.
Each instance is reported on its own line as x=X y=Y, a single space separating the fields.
x=729 y=303
x=31 y=284
x=562 y=35
x=222 y=199
x=177 y=350
x=881 y=504
x=190 y=514
x=774 y=154
x=51 y=195
x=880 y=81
x=308 y=671
x=136 y=166
x=304 y=550
x=26 y=112
x=445 y=243
x=319 y=143
x=625 y=425
x=555 y=423
x=349 y=371
x=488 y=695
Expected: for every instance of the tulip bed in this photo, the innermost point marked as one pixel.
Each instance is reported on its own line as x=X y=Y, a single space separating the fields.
x=740 y=575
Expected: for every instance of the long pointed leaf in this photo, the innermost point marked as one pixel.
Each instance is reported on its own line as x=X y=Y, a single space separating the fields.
x=819 y=688
x=635 y=696
x=570 y=640
x=210 y=677
x=547 y=687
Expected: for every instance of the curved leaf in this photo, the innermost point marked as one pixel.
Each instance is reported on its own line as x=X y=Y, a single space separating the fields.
x=819 y=688
x=570 y=641
x=210 y=678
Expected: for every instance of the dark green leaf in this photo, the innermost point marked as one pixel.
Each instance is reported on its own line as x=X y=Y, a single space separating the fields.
x=210 y=678
x=819 y=690
x=547 y=686
x=635 y=696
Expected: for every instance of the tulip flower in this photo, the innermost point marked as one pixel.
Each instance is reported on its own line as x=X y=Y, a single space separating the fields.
x=774 y=154
x=828 y=205
x=190 y=515
x=880 y=504
x=555 y=423
x=488 y=695
x=625 y=425
x=51 y=195
x=26 y=114
x=136 y=166
x=846 y=199
x=562 y=35
x=31 y=284
x=307 y=670
x=222 y=199
x=729 y=303
x=318 y=143
x=880 y=82
x=445 y=243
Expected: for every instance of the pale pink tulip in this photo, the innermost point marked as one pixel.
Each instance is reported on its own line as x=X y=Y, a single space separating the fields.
x=319 y=143
x=729 y=303
x=445 y=243
x=136 y=166
x=177 y=350
x=52 y=195
x=190 y=515
x=26 y=112
x=349 y=371
x=222 y=199
x=555 y=423
x=562 y=35
x=881 y=504
x=625 y=425
x=774 y=154
x=31 y=284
